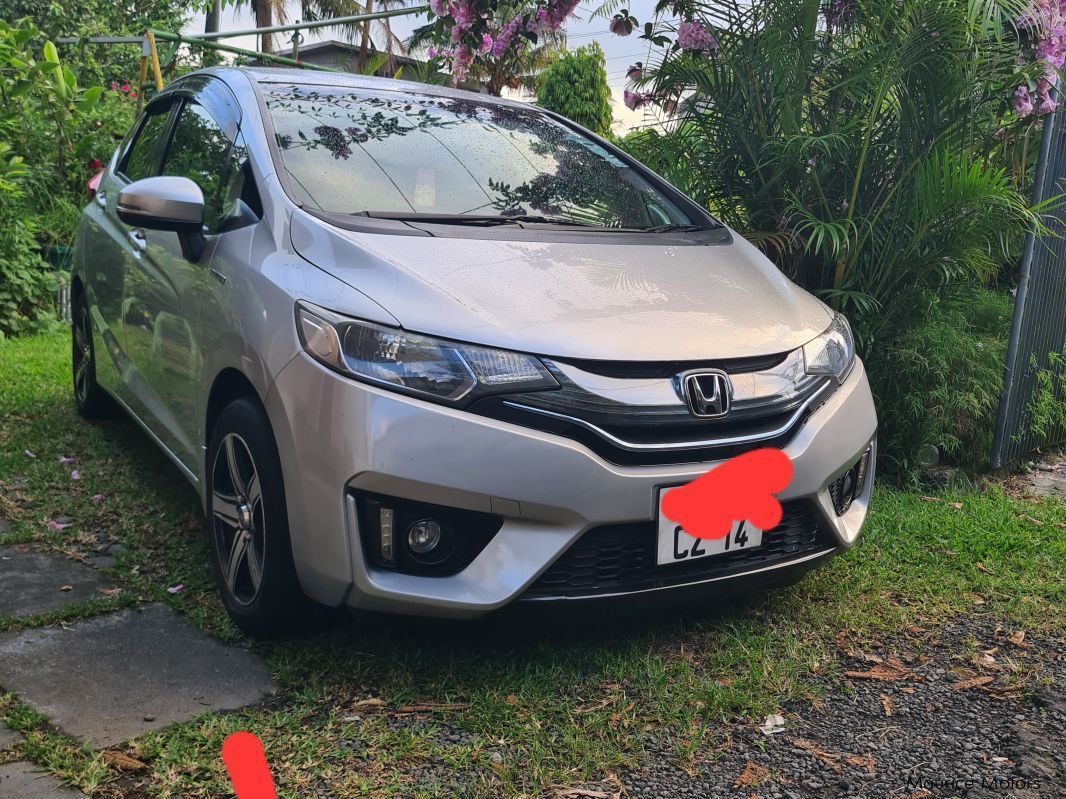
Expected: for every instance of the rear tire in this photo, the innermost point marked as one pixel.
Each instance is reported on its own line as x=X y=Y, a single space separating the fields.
x=91 y=401
x=248 y=524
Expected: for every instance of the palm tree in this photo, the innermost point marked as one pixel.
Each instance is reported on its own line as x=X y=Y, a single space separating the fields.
x=859 y=150
x=266 y=12
x=270 y=12
x=327 y=9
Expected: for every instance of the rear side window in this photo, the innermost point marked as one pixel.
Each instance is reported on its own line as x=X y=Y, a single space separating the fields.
x=142 y=159
x=201 y=151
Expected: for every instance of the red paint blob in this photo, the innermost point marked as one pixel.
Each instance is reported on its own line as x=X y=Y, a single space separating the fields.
x=246 y=763
x=741 y=488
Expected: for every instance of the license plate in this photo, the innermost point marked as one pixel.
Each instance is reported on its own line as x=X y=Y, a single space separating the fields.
x=677 y=546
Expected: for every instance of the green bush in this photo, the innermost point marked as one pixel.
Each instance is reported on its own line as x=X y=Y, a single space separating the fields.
x=45 y=120
x=575 y=85
x=26 y=284
x=938 y=381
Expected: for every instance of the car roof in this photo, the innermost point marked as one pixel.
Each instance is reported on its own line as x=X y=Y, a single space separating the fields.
x=309 y=77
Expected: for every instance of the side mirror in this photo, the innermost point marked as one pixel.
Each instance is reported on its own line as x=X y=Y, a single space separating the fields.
x=166 y=203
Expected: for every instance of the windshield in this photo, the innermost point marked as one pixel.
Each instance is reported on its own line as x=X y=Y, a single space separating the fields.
x=354 y=151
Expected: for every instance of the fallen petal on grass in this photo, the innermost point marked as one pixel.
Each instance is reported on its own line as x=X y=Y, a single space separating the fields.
x=55 y=526
x=75 y=475
x=774 y=723
x=176 y=589
x=28 y=454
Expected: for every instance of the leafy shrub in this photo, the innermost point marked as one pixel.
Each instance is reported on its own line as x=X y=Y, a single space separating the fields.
x=1045 y=412
x=43 y=116
x=575 y=85
x=938 y=381
x=26 y=285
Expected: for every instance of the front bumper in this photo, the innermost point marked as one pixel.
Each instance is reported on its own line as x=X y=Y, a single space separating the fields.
x=336 y=435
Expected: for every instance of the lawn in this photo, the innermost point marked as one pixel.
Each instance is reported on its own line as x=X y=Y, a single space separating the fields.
x=507 y=709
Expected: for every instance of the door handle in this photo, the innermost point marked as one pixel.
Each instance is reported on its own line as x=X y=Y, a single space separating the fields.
x=101 y=199
x=139 y=239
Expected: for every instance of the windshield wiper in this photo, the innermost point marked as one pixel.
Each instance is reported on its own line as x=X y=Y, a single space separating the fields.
x=553 y=220
x=675 y=228
x=475 y=219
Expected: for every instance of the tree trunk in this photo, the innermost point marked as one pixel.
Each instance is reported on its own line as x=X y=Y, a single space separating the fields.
x=264 y=18
x=364 y=45
x=211 y=23
x=497 y=79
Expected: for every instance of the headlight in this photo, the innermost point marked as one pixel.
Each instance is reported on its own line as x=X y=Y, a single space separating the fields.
x=833 y=352
x=445 y=371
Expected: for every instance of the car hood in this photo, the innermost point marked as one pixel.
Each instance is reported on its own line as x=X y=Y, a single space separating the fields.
x=639 y=301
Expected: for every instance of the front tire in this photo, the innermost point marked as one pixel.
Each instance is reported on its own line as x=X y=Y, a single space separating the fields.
x=248 y=524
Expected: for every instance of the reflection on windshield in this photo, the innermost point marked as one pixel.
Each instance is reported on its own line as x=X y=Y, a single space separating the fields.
x=350 y=151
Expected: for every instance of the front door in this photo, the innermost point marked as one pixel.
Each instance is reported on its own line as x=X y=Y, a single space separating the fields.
x=165 y=292
x=109 y=249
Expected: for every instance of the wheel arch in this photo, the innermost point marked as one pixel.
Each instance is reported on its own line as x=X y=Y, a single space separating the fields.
x=229 y=385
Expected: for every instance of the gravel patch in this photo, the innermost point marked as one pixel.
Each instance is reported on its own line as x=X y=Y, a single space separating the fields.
x=973 y=715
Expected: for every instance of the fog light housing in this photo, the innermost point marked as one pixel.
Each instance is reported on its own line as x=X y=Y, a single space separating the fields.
x=420 y=538
x=849 y=485
x=423 y=536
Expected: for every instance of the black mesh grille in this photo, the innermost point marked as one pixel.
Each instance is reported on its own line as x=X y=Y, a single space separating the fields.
x=621 y=557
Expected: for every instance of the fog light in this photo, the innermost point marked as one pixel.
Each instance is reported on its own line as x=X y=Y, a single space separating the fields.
x=423 y=536
x=849 y=485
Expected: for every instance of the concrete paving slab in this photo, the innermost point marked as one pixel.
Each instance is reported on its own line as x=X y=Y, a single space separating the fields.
x=8 y=737
x=34 y=580
x=25 y=781
x=120 y=675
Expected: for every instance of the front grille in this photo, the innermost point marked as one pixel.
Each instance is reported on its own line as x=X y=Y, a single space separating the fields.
x=505 y=408
x=618 y=558
x=633 y=421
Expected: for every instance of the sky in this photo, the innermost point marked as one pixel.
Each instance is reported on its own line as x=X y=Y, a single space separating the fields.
x=619 y=52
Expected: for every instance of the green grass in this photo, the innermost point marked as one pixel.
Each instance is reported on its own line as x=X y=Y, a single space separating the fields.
x=562 y=702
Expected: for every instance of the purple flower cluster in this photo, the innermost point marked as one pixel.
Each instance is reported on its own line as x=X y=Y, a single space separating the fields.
x=505 y=37
x=472 y=36
x=621 y=25
x=694 y=36
x=551 y=17
x=634 y=100
x=1048 y=18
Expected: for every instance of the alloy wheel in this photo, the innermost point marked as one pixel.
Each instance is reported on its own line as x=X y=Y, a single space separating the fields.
x=237 y=519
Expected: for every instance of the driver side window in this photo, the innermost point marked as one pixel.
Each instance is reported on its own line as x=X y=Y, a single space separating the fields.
x=201 y=151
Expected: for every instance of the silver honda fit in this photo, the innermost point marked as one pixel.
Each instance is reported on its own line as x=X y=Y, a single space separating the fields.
x=433 y=352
